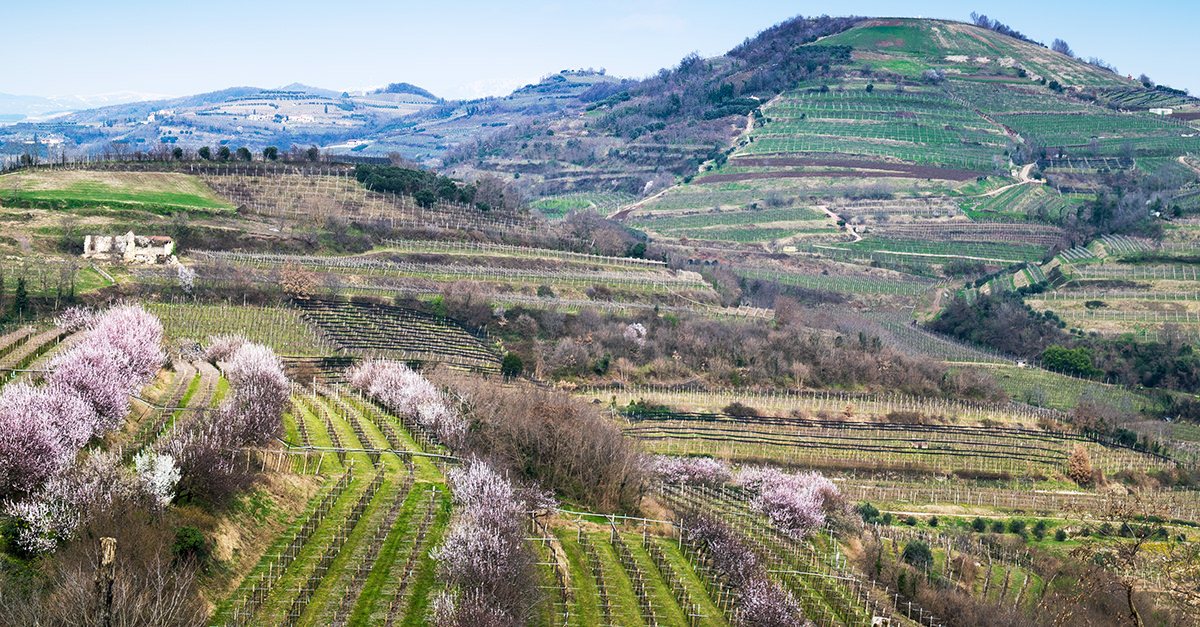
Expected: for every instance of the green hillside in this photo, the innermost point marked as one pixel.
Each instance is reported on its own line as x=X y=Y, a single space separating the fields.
x=907 y=47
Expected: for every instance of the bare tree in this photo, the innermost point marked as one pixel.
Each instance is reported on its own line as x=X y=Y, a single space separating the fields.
x=120 y=149
x=1061 y=47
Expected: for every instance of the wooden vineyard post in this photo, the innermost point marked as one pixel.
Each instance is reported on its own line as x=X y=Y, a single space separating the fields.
x=104 y=581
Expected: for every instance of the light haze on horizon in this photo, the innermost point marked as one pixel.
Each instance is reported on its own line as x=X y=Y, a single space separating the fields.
x=473 y=49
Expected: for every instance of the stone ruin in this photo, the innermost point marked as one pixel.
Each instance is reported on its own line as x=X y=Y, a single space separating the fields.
x=129 y=248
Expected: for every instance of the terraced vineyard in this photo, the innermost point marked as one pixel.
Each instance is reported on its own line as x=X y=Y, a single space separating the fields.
x=501 y=250
x=194 y=389
x=333 y=192
x=21 y=349
x=359 y=554
x=784 y=402
x=1106 y=134
x=921 y=126
x=841 y=443
x=814 y=570
x=900 y=333
x=940 y=250
x=371 y=329
x=586 y=201
x=366 y=271
x=967 y=232
x=161 y=412
x=697 y=225
x=284 y=330
x=633 y=573
x=907 y=285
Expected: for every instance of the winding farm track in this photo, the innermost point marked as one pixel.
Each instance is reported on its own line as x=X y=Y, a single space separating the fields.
x=1183 y=160
x=203 y=398
x=622 y=212
x=1022 y=179
x=850 y=229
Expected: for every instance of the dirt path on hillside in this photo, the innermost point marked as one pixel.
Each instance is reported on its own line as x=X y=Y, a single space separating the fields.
x=1188 y=164
x=622 y=212
x=23 y=241
x=1022 y=179
x=850 y=229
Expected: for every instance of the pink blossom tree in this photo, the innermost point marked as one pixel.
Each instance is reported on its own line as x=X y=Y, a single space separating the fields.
x=120 y=352
x=68 y=499
x=484 y=558
x=635 y=335
x=40 y=432
x=74 y=319
x=691 y=470
x=135 y=337
x=90 y=372
x=221 y=347
x=260 y=392
x=762 y=602
x=796 y=503
x=405 y=392
x=43 y=429
x=251 y=415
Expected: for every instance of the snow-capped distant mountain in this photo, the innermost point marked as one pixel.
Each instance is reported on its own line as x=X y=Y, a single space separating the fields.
x=103 y=100
x=14 y=108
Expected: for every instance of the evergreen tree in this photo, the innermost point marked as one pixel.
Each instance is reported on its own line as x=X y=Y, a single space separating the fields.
x=20 y=298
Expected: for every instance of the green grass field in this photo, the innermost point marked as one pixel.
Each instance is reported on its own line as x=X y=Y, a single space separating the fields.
x=76 y=188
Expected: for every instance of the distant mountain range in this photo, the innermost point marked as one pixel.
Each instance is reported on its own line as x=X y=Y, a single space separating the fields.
x=400 y=117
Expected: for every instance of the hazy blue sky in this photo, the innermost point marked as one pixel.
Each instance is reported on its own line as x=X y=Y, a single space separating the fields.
x=464 y=49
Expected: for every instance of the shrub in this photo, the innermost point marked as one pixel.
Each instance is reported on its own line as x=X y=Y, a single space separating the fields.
x=918 y=554
x=933 y=521
x=911 y=521
x=1079 y=465
x=1017 y=526
x=997 y=526
x=553 y=439
x=189 y=544
x=1060 y=535
x=869 y=513
x=979 y=525
x=512 y=365
x=738 y=409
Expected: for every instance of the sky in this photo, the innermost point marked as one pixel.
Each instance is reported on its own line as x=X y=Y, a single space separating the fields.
x=469 y=48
